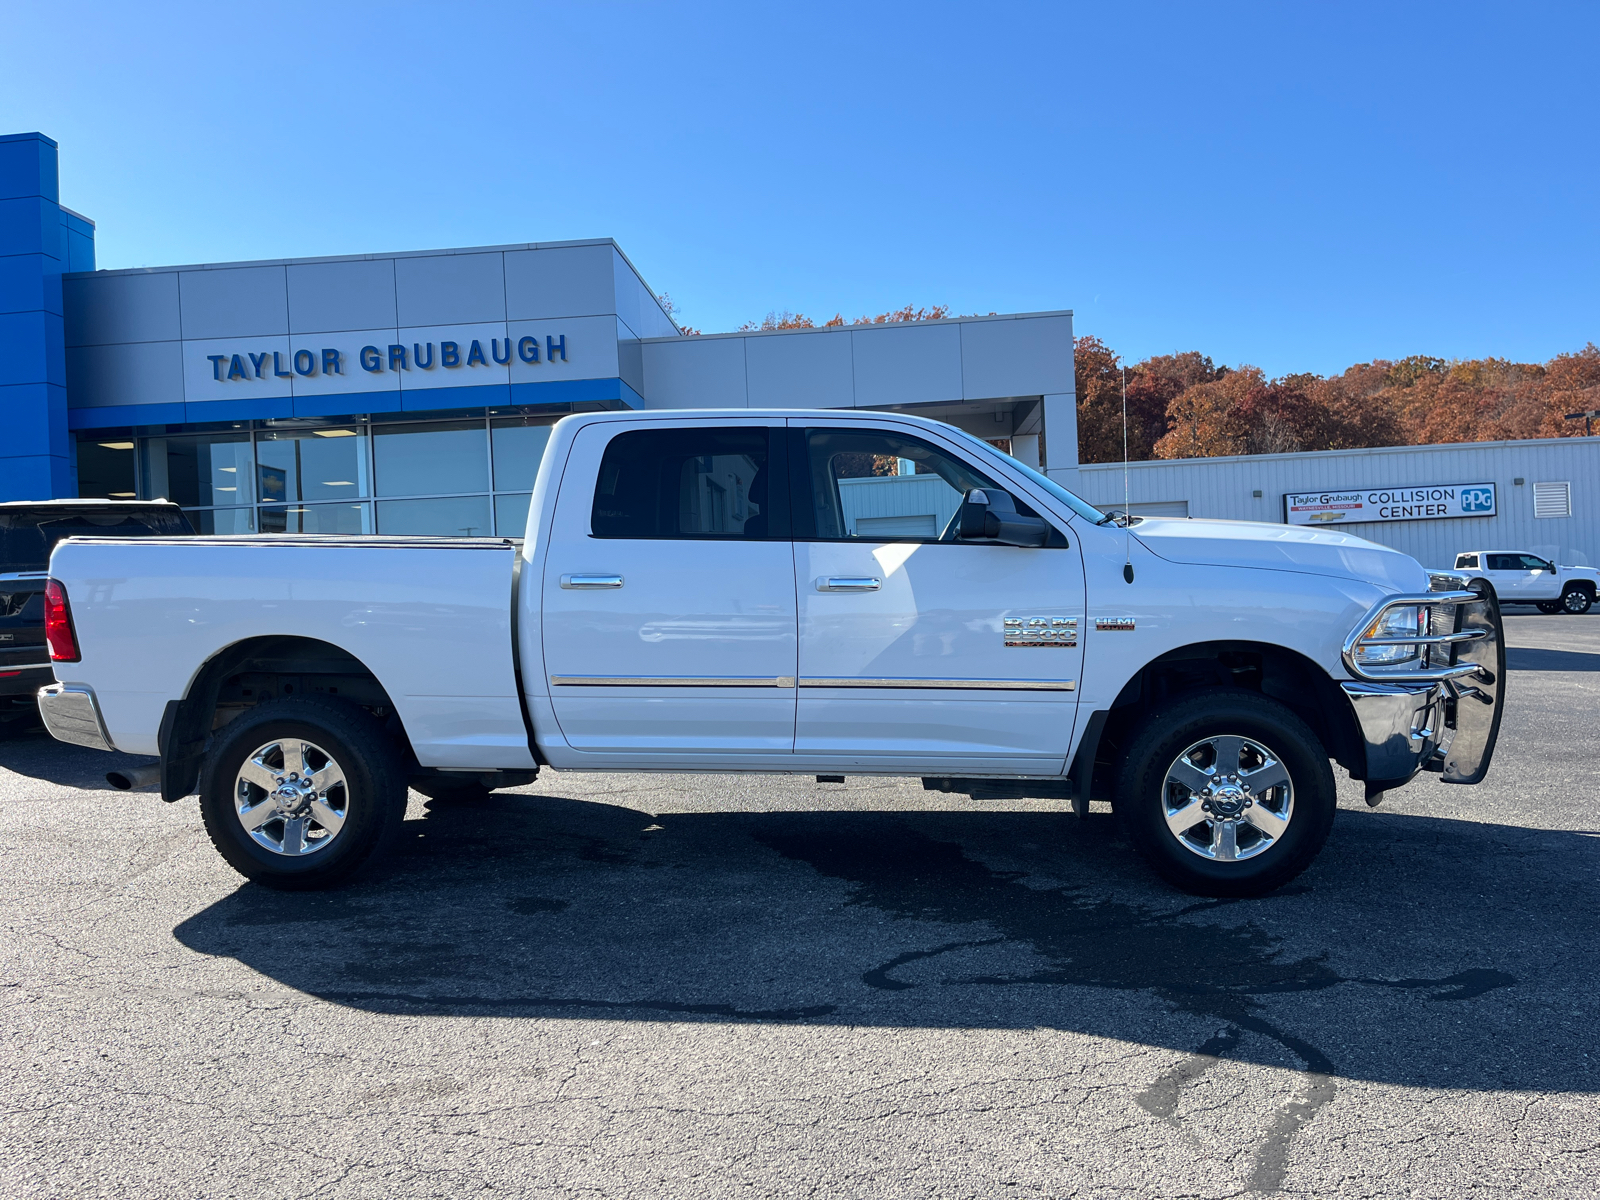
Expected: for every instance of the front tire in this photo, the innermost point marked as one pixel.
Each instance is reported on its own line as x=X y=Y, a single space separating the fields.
x=302 y=794
x=1226 y=793
x=1576 y=601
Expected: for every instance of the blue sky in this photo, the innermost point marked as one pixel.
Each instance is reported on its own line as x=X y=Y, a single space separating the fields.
x=1296 y=186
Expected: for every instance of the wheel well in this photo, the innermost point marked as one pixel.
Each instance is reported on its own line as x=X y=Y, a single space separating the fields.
x=1283 y=675
x=247 y=673
x=1579 y=585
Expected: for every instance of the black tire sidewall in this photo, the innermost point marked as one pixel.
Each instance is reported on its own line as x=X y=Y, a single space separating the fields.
x=356 y=742
x=1172 y=729
x=1583 y=601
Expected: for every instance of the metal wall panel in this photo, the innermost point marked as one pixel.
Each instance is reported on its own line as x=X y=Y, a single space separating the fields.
x=1018 y=356
x=329 y=297
x=561 y=281
x=906 y=364
x=234 y=302
x=105 y=309
x=804 y=371
x=1223 y=487
x=451 y=289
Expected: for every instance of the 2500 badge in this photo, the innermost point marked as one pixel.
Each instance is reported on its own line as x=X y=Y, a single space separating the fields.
x=1041 y=631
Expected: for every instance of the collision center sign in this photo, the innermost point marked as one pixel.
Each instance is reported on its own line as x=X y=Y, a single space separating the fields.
x=1345 y=506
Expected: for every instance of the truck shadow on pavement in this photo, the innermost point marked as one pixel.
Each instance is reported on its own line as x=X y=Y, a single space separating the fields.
x=1533 y=658
x=1417 y=951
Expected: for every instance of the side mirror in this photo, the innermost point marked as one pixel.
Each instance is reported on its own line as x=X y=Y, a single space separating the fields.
x=990 y=515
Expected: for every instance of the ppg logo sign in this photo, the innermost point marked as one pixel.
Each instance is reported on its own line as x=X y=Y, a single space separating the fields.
x=1477 y=500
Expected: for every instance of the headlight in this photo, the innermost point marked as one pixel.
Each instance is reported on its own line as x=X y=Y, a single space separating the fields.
x=1410 y=620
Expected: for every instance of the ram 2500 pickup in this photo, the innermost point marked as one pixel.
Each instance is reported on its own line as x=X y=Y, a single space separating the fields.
x=786 y=592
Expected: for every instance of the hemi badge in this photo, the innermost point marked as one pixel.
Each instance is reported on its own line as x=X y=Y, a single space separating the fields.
x=1113 y=623
x=1041 y=631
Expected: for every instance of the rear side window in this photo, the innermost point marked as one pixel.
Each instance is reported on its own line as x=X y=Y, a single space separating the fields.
x=27 y=538
x=1505 y=562
x=1467 y=560
x=690 y=484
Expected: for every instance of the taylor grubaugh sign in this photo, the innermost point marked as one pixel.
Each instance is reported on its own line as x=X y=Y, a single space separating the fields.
x=1345 y=506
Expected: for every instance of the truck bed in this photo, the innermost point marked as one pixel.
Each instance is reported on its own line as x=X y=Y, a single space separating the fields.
x=431 y=618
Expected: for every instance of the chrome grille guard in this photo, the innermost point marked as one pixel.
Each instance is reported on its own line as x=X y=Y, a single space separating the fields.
x=1467 y=656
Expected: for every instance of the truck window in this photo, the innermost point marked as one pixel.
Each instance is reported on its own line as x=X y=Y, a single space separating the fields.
x=1467 y=561
x=1530 y=563
x=1505 y=562
x=28 y=537
x=876 y=486
x=689 y=483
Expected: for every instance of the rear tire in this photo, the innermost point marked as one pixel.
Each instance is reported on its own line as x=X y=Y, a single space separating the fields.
x=1576 y=601
x=1549 y=607
x=1261 y=806
x=302 y=794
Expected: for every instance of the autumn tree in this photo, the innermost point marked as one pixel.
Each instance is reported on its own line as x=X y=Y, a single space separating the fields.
x=1205 y=419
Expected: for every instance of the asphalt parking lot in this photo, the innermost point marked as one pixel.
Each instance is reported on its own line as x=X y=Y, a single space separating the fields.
x=675 y=986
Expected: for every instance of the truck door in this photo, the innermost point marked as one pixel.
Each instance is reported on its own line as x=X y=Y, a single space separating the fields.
x=1513 y=581
x=669 y=605
x=916 y=649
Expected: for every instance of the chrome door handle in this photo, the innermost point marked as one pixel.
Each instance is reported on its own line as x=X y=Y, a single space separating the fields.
x=848 y=583
x=590 y=582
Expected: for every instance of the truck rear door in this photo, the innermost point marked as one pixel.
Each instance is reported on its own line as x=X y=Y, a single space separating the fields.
x=668 y=594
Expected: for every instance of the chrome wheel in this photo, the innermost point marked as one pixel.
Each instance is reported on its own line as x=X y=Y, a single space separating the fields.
x=1227 y=798
x=1576 y=602
x=291 y=797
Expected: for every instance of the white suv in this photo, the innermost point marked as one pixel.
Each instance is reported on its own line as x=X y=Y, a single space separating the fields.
x=1518 y=577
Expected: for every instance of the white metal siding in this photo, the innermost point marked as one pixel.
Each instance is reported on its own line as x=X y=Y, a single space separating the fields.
x=1222 y=487
x=911 y=501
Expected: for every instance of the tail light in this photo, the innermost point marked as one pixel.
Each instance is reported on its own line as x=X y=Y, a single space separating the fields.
x=58 y=624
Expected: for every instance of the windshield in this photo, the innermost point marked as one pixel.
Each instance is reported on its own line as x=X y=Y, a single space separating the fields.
x=1087 y=511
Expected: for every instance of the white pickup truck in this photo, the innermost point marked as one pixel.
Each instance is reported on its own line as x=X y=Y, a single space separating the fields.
x=791 y=592
x=1518 y=577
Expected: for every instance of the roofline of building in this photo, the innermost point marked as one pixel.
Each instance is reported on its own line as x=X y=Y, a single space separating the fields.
x=743 y=333
x=339 y=258
x=1305 y=454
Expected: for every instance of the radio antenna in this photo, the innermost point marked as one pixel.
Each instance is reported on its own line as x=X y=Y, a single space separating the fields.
x=1127 y=513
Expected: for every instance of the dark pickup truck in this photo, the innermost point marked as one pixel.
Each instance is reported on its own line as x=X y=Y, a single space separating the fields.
x=29 y=531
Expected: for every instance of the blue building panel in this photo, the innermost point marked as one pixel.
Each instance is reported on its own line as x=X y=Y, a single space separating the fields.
x=124 y=416
x=28 y=167
x=35 y=477
x=32 y=225
x=34 y=416
x=22 y=285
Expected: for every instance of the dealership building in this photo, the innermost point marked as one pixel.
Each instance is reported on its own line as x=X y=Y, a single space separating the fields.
x=413 y=393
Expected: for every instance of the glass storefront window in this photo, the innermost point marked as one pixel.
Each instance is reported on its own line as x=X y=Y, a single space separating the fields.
x=518 y=446
x=311 y=464
x=105 y=470
x=316 y=518
x=444 y=516
x=443 y=456
x=223 y=520
x=215 y=468
x=511 y=514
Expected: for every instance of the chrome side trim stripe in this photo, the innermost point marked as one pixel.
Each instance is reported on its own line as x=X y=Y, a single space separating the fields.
x=992 y=685
x=734 y=681
x=789 y=681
